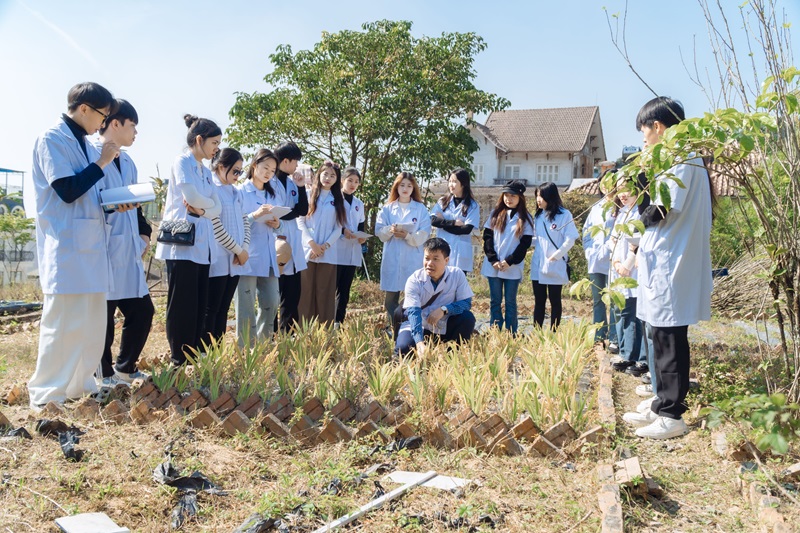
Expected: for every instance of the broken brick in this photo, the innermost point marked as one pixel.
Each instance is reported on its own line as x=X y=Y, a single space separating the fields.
x=165 y=398
x=205 y=418
x=53 y=410
x=140 y=413
x=87 y=408
x=148 y=391
x=464 y=417
x=373 y=411
x=344 y=410
x=593 y=435
x=335 y=431
x=545 y=448
x=305 y=429
x=13 y=395
x=224 y=404
x=4 y=421
x=560 y=434
x=282 y=408
x=368 y=428
x=526 y=429
x=275 y=426
x=504 y=444
x=403 y=431
x=236 y=422
x=314 y=409
x=439 y=436
x=252 y=406
x=194 y=401
x=494 y=425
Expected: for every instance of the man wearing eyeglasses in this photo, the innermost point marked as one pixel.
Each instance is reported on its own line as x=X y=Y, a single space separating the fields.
x=72 y=247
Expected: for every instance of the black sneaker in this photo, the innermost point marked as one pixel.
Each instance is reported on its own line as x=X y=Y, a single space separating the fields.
x=613 y=348
x=622 y=365
x=636 y=369
x=645 y=378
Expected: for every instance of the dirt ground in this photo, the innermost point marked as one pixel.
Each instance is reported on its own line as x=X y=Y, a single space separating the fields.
x=513 y=494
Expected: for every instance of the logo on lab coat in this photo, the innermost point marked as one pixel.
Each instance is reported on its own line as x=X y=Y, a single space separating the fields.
x=554 y=226
x=294 y=193
x=413 y=219
x=357 y=208
x=332 y=202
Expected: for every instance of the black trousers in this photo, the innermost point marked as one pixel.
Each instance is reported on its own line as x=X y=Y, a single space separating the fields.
x=187 y=300
x=289 y=286
x=344 y=280
x=459 y=328
x=220 y=296
x=671 y=358
x=138 y=318
x=540 y=296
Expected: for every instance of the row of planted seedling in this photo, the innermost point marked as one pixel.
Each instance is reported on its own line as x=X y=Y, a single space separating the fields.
x=538 y=373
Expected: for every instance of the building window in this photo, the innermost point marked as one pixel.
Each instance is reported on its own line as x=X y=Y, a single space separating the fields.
x=546 y=173
x=477 y=170
x=512 y=172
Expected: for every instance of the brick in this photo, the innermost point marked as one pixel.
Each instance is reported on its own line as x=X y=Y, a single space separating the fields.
x=174 y=410
x=439 y=436
x=224 y=404
x=403 y=431
x=205 y=418
x=335 y=431
x=526 y=429
x=629 y=473
x=14 y=395
x=465 y=417
x=605 y=473
x=252 y=406
x=236 y=422
x=344 y=410
x=305 y=430
x=87 y=409
x=560 y=434
x=608 y=499
x=53 y=410
x=475 y=436
x=194 y=401
x=275 y=426
x=4 y=421
x=282 y=408
x=165 y=398
x=653 y=488
x=369 y=428
x=373 y=411
x=593 y=435
x=398 y=413
x=504 y=444
x=314 y=409
x=120 y=392
x=772 y=519
x=545 y=448
x=494 y=425
x=605 y=398
x=145 y=392
x=140 y=413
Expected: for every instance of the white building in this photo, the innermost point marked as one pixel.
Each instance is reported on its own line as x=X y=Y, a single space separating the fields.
x=538 y=145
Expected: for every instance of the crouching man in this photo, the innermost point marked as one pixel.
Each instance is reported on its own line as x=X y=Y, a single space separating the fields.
x=437 y=302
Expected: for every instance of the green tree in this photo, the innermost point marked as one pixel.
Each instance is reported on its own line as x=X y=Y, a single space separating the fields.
x=379 y=99
x=16 y=232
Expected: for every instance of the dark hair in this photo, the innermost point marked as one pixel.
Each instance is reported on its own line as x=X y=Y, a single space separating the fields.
x=288 y=150
x=351 y=171
x=125 y=111
x=226 y=158
x=92 y=94
x=336 y=192
x=203 y=127
x=415 y=194
x=498 y=217
x=463 y=177
x=662 y=109
x=437 y=245
x=262 y=155
x=549 y=193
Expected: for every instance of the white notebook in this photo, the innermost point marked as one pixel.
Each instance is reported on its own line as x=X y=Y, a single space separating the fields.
x=138 y=193
x=89 y=523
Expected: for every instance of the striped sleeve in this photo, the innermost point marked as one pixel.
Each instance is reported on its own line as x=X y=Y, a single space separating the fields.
x=224 y=238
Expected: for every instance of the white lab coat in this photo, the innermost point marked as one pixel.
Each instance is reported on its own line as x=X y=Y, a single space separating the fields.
x=321 y=227
x=125 y=246
x=401 y=257
x=460 y=245
x=505 y=243
x=287 y=197
x=598 y=256
x=564 y=233
x=263 y=260
x=621 y=251
x=675 y=255
x=188 y=170
x=348 y=251
x=71 y=239
x=419 y=288
x=232 y=218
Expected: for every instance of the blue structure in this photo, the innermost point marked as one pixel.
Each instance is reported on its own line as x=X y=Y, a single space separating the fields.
x=12 y=183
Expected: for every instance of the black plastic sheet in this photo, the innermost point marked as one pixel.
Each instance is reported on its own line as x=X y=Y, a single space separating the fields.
x=186 y=509
x=256 y=523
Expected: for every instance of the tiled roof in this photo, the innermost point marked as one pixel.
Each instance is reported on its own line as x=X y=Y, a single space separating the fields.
x=562 y=129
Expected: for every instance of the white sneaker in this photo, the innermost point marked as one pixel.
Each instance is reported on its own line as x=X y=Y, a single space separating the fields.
x=664 y=428
x=642 y=419
x=644 y=390
x=645 y=404
x=127 y=379
x=111 y=382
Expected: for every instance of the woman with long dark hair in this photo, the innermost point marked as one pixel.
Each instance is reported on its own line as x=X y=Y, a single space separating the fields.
x=455 y=215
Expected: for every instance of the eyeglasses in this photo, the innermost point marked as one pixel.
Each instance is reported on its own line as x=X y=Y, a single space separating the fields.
x=105 y=117
x=237 y=172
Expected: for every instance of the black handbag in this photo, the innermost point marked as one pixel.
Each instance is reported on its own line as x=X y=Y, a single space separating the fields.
x=178 y=232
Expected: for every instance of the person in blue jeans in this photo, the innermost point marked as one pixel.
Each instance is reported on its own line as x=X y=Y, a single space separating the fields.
x=598 y=261
x=507 y=235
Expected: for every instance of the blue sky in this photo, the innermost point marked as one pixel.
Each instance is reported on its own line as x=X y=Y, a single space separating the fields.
x=176 y=57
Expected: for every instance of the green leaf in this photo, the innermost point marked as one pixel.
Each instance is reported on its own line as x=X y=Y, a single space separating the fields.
x=664 y=195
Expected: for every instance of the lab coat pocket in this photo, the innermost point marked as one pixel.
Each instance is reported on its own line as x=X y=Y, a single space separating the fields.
x=116 y=246
x=88 y=234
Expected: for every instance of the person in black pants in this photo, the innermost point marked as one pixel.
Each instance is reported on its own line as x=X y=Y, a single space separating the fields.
x=347 y=249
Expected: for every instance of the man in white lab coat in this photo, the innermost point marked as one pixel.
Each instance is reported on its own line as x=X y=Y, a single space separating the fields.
x=72 y=246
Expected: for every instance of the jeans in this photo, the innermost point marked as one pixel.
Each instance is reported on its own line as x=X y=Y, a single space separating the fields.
x=629 y=331
x=496 y=288
x=599 y=282
x=249 y=324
